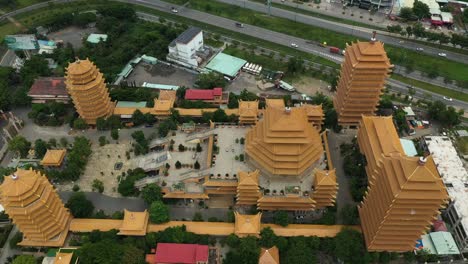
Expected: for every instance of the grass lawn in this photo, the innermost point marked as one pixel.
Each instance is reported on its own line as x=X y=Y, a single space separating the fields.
x=21 y=4
x=266 y=61
x=425 y=63
x=432 y=88
x=7 y=28
x=213 y=42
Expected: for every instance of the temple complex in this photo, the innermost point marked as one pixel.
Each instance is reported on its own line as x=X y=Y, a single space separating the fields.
x=87 y=88
x=361 y=82
x=35 y=208
x=404 y=194
x=325 y=188
x=283 y=143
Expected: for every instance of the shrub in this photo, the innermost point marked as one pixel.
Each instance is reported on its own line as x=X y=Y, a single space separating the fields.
x=76 y=188
x=196 y=165
x=241 y=157
x=98 y=185
x=181 y=148
x=178 y=165
x=102 y=141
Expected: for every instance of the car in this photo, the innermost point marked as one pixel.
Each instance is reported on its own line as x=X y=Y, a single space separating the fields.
x=240 y=25
x=419 y=49
x=174 y=10
x=441 y=54
x=294 y=45
x=448 y=99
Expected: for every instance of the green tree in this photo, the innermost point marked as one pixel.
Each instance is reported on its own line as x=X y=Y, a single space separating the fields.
x=196 y=165
x=98 y=186
x=24 y=259
x=64 y=142
x=420 y=9
x=418 y=30
x=79 y=123
x=102 y=141
x=79 y=206
x=281 y=218
x=349 y=246
x=104 y=251
x=138 y=118
x=197 y=217
x=302 y=250
x=295 y=65
x=133 y=255
x=465 y=15
x=151 y=193
x=268 y=238
x=115 y=134
x=219 y=116
x=349 y=215
x=20 y=145
x=181 y=148
x=178 y=165
x=18 y=237
x=40 y=148
x=406 y=13
x=102 y=124
x=210 y=80
x=409 y=31
x=158 y=212
x=199 y=148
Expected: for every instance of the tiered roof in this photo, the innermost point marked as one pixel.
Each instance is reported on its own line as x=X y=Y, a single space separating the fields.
x=315 y=115
x=247 y=225
x=248 y=191
x=288 y=202
x=164 y=103
x=269 y=256
x=87 y=88
x=283 y=142
x=325 y=188
x=248 y=112
x=213 y=186
x=404 y=194
x=362 y=79
x=53 y=86
x=36 y=209
x=53 y=157
x=134 y=223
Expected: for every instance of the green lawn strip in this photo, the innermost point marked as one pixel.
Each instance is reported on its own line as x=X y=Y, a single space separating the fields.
x=323 y=16
x=213 y=43
x=432 y=88
x=266 y=61
x=425 y=63
x=20 y=4
x=7 y=28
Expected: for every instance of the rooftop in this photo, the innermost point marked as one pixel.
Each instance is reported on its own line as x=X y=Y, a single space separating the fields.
x=269 y=256
x=134 y=223
x=408 y=147
x=453 y=173
x=128 y=104
x=440 y=243
x=96 y=38
x=186 y=36
x=48 y=86
x=181 y=253
x=247 y=225
x=160 y=86
x=226 y=64
x=21 y=42
x=53 y=157
x=202 y=94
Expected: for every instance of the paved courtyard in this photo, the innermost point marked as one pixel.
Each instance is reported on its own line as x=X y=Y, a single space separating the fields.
x=72 y=35
x=161 y=74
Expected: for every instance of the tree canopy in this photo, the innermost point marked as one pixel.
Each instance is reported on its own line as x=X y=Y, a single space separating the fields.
x=79 y=206
x=158 y=212
x=24 y=259
x=20 y=145
x=420 y=9
x=349 y=246
x=210 y=80
x=151 y=193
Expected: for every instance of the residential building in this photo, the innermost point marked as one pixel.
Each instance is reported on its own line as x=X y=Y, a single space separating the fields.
x=361 y=82
x=87 y=88
x=283 y=143
x=35 y=208
x=183 y=49
x=49 y=89
x=404 y=193
x=455 y=178
x=214 y=96
x=172 y=253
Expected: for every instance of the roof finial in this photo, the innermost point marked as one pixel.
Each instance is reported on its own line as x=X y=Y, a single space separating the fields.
x=77 y=60
x=374 y=34
x=14 y=176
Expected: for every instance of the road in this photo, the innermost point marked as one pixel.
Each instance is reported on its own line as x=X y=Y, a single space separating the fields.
x=356 y=31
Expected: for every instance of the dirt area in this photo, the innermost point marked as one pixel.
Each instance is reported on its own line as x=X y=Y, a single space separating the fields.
x=310 y=86
x=72 y=35
x=103 y=160
x=162 y=74
x=249 y=82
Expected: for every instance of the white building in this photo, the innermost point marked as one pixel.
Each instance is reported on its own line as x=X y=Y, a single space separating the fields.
x=455 y=178
x=183 y=49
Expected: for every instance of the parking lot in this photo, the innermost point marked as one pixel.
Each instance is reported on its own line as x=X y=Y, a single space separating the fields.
x=72 y=35
x=162 y=74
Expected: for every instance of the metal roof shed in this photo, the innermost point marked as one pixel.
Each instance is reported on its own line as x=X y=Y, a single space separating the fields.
x=226 y=64
x=96 y=38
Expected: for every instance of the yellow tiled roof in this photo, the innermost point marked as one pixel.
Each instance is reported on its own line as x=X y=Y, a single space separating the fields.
x=63 y=258
x=53 y=157
x=269 y=256
x=131 y=110
x=167 y=95
x=246 y=225
x=134 y=223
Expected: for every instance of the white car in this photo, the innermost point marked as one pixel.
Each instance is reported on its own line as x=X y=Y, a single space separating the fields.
x=448 y=98
x=441 y=54
x=419 y=49
x=174 y=10
x=294 y=45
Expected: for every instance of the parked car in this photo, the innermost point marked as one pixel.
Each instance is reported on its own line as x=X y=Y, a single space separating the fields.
x=240 y=25
x=448 y=99
x=441 y=54
x=419 y=49
x=174 y=10
x=294 y=45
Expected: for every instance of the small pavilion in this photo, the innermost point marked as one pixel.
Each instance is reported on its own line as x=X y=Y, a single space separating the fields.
x=53 y=157
x=269 y=256
x=134 y=223
x=247 y=225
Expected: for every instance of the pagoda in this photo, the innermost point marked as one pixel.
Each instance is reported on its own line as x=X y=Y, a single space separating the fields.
x=325 y=188
x=248 y=112
x=248 y=190
x=35 y=208
x=87 y=88
x=284 y=143
x=404 y=193
x=361 y=82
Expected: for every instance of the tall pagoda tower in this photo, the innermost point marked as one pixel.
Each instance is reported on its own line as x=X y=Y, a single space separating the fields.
x=36 y=209
x=87 y=88
x=248 y=190
x=325 y=188
x=362 y=79
x=404 y=193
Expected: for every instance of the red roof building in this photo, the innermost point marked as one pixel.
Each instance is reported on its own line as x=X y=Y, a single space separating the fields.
x=172 y=253
x=215 y=96
x=49 y=89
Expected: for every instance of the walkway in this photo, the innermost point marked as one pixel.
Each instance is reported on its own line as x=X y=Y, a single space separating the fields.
x=109 y=204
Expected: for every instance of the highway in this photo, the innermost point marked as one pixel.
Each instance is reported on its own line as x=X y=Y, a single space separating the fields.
x=257 y=32
x=356 y=31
